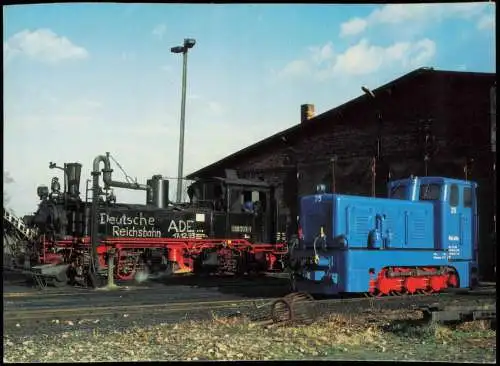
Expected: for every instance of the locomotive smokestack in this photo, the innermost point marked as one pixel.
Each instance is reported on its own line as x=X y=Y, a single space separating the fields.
x=158 y=194
x=73 y=174
x=306 y=112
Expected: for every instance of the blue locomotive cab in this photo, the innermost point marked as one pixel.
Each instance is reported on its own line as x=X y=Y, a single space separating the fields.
x=423 y=237
x=456 y=225
x=455 y=210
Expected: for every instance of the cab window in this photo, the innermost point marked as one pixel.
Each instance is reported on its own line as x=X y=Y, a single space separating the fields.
x=252 y=201
x=454 y=195
x=430 y=192
x=398 y=193
x=467 y=197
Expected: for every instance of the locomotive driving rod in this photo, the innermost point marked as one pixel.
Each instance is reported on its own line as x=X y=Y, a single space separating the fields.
x=108 y=182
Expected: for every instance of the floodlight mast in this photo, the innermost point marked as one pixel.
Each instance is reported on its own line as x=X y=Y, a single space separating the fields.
x=188 y=44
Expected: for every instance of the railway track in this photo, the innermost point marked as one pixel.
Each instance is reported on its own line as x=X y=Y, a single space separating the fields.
x=128 y=310
x=255 y=309
x=110 y=319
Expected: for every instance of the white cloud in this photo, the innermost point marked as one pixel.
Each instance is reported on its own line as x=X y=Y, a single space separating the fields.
x=159 y=31
x=322 y=54
x=421 y=53
x=42 y=45
x=360 y=59
x=295 y=68
x=353 y=26
x=486 y=22
x=412 y=14
x=317 y=56
x=364 y=58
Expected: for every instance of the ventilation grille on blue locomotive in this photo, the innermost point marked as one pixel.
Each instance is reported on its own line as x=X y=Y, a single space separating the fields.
x=419 y=228
x=362 y=225
x=362 y=220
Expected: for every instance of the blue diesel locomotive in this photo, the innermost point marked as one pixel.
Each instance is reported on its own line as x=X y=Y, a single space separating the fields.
x=423 y=238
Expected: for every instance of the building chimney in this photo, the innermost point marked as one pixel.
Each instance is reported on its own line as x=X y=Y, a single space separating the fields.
x=306 y=112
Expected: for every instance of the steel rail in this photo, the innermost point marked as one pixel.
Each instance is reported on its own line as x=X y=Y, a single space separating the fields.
x=196 y=305
x=14 y=315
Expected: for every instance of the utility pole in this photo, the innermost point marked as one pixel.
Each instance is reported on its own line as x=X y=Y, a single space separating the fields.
x=188 y=43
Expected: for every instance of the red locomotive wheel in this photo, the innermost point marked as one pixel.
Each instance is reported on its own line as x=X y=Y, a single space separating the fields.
x=388 y=285
x=384 y=286
x=438 y=283
x=127 y=266
x=410 y=285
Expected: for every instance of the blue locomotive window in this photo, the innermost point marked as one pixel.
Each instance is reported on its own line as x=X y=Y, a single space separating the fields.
x=454 y=195
x=430 y=192
x=467 y=197
x=398 y=193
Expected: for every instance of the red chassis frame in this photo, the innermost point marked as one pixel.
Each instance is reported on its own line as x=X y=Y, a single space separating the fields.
x=182 y=251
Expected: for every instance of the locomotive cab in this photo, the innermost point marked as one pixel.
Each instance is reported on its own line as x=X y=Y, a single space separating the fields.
x=455 y=211
x=249 y=215
x=242 y=208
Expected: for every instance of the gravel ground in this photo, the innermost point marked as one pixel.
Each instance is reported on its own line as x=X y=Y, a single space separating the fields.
x=391 y=335
x=258 y=309
x=233 y=334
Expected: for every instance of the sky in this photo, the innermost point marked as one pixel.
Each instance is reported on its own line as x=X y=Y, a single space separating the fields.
x=81 y=80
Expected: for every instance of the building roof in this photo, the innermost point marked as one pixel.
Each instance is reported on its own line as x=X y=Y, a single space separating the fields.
x=319 y=119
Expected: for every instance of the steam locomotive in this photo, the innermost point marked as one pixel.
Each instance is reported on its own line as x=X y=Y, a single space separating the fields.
x=229 y=225
x=423 y=238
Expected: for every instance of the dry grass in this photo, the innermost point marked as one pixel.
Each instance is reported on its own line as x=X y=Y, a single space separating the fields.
x=337 y=337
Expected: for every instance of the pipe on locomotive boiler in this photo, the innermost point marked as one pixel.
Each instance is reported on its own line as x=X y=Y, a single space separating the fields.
x=108 y=182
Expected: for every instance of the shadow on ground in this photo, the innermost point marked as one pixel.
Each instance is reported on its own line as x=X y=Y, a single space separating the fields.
x=261 y=286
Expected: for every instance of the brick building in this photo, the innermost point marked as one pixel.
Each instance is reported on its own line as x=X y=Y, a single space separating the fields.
x=426 y=122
